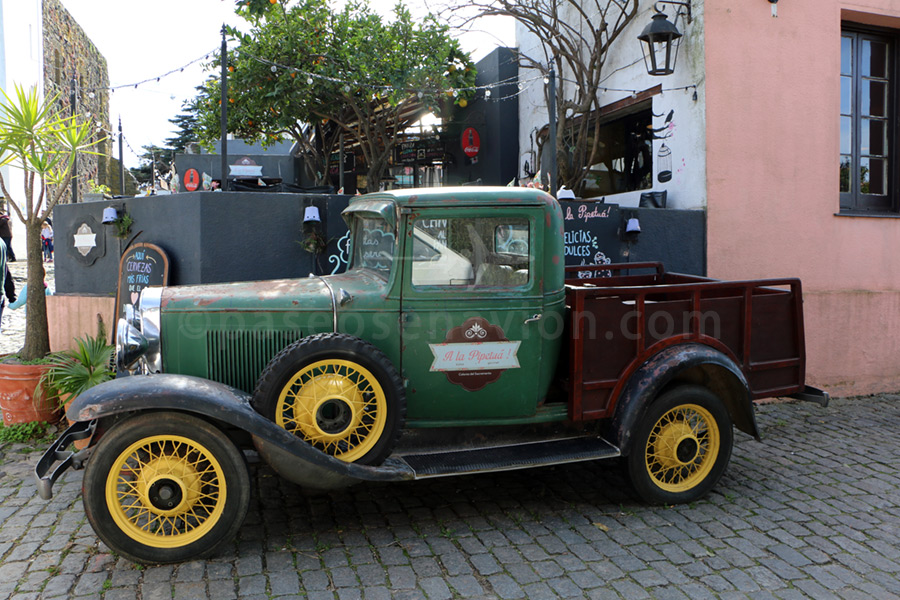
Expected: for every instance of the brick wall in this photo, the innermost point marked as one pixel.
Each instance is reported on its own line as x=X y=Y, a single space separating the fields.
x=69 y=52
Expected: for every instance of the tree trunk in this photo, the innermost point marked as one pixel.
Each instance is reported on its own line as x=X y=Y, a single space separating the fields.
x=37 y=334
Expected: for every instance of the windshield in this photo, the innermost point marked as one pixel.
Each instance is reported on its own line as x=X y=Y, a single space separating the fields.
x=373 y=244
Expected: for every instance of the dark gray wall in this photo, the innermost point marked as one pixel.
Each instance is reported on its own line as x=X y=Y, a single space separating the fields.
x=210 y=237
x=677 y=238
x=213 y=237
x=495 y=119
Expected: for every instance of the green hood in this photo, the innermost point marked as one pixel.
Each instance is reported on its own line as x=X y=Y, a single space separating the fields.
x=277 y=295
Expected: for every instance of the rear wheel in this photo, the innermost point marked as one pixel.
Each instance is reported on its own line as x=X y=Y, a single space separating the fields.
x=165 y=487
x=682 y=447
x=338 y=393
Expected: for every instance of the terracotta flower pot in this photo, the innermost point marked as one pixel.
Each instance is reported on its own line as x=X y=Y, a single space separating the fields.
x=22 y=398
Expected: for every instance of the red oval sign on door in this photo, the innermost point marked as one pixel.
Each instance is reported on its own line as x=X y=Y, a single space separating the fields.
x=191 y=180
x=471 y=143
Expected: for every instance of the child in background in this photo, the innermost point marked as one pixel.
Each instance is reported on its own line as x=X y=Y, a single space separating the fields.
x=47 y=241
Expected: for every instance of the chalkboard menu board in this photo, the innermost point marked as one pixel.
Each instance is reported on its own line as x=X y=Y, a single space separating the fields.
x=591 y=235
x=141 y=266
x=428 y=149
x=378 y=248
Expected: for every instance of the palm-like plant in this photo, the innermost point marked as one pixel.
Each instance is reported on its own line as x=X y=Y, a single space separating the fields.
x=36 y=138
x=72 y=372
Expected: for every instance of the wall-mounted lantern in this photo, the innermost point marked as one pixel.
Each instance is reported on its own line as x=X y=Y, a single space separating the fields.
x=660 y=39
x=311 y=215
x=110 y=214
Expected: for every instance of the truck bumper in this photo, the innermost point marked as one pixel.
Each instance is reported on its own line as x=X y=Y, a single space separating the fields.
x=811 y=394
x=57 y=459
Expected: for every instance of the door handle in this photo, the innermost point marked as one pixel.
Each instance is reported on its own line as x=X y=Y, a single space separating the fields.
x=534 y=318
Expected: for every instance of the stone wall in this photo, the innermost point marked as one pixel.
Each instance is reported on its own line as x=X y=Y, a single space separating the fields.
x=69 y=52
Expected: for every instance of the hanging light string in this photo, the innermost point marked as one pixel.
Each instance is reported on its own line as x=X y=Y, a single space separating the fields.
x=113 y=88
x=349 y=84
x=633 y=92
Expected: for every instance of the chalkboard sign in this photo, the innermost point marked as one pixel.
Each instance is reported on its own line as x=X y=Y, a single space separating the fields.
x=591 y=235
x=141 y=266
x=428 y=149
x=378 y=248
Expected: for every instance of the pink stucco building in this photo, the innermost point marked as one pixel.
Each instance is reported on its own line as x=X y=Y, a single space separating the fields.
x=802 y=118
x=791 y=146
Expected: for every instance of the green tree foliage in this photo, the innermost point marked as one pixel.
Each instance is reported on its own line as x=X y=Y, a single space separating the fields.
x=186 y=124
x=156 y=157
x=307 y=72
x=38 y=139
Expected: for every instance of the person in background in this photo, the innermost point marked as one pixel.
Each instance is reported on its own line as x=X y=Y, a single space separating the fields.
x=6 y=236
x=47 y=241
x=9 y=286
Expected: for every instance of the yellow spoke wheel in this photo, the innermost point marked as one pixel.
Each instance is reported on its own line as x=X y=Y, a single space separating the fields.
x=682 y=446
x=166 y=491
x=338 y=393
x=165 y=487
x=336 y=405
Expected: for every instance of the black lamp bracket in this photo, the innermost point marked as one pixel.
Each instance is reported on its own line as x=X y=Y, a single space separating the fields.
x=686 y=5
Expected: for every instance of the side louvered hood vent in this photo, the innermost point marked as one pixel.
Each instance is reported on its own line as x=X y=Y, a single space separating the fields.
x=237 y=358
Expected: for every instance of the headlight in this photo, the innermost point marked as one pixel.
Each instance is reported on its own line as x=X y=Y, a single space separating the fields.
x=138 y=335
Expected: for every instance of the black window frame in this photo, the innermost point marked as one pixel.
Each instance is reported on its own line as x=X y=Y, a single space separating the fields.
x=855 y=202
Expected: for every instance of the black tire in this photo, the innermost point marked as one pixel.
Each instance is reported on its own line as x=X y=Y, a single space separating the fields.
x=682 y=447
x=180 y=487
x=337 y=392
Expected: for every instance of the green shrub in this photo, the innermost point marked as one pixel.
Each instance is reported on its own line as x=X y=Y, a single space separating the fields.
x=23 y=432
x=72 y=372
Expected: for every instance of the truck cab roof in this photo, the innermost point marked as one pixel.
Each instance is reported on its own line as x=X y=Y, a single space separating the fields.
x=459 y=196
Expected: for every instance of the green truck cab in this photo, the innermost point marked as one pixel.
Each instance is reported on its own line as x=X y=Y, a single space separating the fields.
x=456 y=342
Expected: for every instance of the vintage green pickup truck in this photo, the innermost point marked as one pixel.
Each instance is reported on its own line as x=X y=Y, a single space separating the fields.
x=457 y=342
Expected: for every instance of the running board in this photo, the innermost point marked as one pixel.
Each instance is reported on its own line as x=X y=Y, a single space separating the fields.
x=509 y=457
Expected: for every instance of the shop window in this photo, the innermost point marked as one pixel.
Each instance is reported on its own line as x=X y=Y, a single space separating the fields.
x=626 y=154
x=868 y=123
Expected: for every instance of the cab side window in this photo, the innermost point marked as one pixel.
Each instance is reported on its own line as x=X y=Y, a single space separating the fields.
x=471 y=252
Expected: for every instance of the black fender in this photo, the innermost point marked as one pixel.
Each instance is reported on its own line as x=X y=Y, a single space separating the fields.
x=684 y=363
x=292 y=458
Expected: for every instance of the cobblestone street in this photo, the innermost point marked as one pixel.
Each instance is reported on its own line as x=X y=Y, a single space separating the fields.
x=12 y=330
x=812 y=512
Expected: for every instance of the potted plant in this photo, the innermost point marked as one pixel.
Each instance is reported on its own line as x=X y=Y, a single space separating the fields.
x=36 y=138
x=71 y=372
x=97 y=191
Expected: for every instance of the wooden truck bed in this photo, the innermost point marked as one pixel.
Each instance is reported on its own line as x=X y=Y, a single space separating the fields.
x=617 y=323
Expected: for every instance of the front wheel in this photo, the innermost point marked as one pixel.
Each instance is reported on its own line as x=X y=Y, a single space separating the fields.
x=165 y=487
x=682 y=447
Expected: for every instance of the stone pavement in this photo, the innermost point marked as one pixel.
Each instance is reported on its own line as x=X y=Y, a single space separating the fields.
x=12 y=330
x=812 y=512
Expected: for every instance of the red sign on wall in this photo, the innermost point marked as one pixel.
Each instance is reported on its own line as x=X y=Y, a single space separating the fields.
x=471 y=143
x=191 y=180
